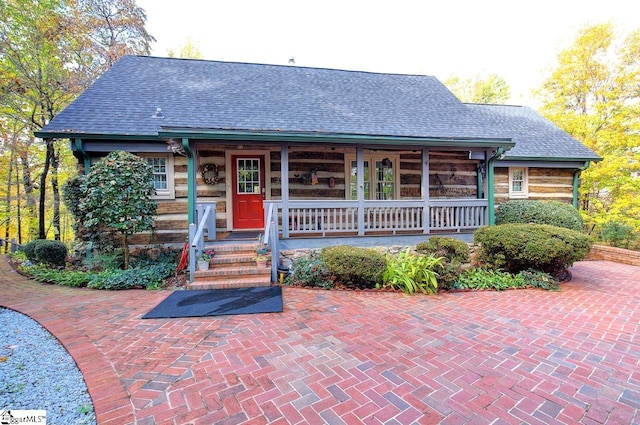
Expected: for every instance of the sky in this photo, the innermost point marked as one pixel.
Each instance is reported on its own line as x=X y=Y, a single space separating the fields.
x=518 y=40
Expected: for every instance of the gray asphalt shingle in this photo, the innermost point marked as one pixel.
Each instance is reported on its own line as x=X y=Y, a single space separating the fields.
x=201 y=94
x=534 y=135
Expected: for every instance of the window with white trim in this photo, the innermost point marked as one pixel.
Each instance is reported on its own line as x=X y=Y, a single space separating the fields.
x=518 y=185
x=162 y=167
x=380 y=177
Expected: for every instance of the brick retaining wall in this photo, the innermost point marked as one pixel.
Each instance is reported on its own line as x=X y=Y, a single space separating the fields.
x=617 y=255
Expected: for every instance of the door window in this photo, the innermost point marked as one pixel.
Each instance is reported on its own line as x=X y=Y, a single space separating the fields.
x=248 y=176
x=382 y=178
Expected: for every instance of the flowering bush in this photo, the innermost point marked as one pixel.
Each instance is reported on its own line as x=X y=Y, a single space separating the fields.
x=207 y=255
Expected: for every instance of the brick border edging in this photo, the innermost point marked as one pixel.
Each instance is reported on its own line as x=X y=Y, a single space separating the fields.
x=616 y=255
x=111 y=402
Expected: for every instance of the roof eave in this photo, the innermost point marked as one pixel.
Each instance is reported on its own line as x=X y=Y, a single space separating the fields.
x=554 y=158
x=281 y=136
x=306 y=137
x=74 y=135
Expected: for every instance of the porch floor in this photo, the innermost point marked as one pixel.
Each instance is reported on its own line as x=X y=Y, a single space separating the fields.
x=366 y=241
x=315 y=242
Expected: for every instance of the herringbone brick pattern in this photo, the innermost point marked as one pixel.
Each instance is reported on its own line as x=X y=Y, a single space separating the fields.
x=523 y=356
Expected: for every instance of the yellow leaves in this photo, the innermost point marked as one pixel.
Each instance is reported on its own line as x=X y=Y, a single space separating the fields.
x=594 y=95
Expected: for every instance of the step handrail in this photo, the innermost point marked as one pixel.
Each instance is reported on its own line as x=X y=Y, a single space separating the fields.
x=270 y=238
x=196 y=240
x=267 y=223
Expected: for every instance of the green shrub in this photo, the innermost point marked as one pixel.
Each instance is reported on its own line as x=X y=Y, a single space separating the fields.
x=484 y=278
x=52 y=252
x=517 y=247
x=454 y=254
x=355 y=267
x=72 y=194
x=117 y=193
x=411 y=273
x=46 y=251
x=311 y=271
x=72 y=278
x=29 y=249
x=538 y=279
x=149 y=277
x=144 y=257
x=617 y=234
x=105 y=259
x=553 y=213
x=450 y=249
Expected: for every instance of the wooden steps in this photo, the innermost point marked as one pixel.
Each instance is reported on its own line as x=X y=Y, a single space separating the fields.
x=233 y=266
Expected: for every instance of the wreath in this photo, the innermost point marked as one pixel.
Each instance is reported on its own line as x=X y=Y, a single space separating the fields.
x=210 y=173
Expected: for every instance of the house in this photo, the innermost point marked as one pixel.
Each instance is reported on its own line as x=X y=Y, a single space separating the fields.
x=318 y=152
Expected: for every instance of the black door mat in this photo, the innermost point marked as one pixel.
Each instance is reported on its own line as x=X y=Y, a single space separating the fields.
x=238 y=236
x=219 y=302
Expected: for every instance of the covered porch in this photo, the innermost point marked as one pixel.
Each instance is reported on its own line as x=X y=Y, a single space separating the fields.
x=434 y=187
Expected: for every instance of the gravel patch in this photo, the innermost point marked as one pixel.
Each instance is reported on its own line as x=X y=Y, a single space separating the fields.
x=37 y=373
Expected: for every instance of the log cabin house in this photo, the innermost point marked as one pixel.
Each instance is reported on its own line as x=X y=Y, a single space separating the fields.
x=315 y=152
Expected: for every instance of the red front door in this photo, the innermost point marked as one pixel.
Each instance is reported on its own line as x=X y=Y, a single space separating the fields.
x=248 y=192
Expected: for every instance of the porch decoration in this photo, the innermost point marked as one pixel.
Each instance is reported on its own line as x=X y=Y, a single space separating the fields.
x=261 y=261
x=210 y=174
x=309 y=178
x=261 y=248
x=204 y=259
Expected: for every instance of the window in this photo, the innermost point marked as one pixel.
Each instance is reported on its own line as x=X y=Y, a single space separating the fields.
x=162 y=166
x=518 y=183
x=248 y=176
x=379 y=179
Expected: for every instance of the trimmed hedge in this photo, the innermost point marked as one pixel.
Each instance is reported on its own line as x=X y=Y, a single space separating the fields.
x=553 y=213
x=355 y=267
x=518 y=247
x=46 y=251
x=449 y=248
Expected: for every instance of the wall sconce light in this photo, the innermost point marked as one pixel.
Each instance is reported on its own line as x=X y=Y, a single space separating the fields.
x=175 y=147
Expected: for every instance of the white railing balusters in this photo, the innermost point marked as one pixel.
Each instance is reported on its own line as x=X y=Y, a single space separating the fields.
x=334 y=217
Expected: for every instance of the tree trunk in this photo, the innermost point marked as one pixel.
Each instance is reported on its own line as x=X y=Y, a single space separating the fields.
x=19 y=209
x=55 y=163
x=28 y=184
x=125 y=244
x=42 y=232
x=7 y=225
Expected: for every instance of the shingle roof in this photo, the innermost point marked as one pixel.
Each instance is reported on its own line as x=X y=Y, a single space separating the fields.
x=534 y=135
x=216 y=95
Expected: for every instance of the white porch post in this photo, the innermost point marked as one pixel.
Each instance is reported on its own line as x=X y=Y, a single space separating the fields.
x=284 y=188
x=360 y=184
x=425 y=190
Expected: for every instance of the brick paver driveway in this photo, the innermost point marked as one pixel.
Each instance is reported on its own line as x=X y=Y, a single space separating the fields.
x=524 y=356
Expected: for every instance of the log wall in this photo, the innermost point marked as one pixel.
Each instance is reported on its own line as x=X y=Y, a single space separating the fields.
x=451 y=175
x=555 y=184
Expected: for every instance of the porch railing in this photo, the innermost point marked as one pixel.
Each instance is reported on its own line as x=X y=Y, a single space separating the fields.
x=205 y=222
x=335 y=217
x=447 y=214
x=10 y=245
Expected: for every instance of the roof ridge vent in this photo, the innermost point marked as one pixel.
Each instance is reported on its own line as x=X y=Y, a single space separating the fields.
x=158 y=113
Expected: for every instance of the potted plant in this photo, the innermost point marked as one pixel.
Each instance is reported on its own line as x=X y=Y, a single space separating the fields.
x=261 y=248
x=205 y=258
x=261 y=261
